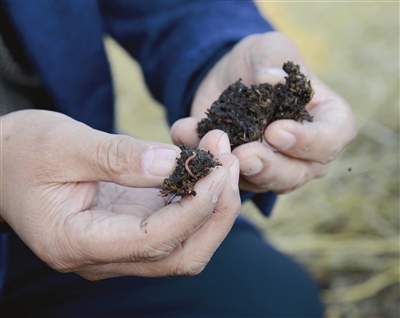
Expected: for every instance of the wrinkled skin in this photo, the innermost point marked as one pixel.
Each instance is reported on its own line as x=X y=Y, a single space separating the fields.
x=85 y=201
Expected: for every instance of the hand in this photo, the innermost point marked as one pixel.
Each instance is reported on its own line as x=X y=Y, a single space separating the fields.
x=301 y=152
x=52 y=199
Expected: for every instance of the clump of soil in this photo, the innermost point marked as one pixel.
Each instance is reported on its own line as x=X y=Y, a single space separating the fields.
x=244 y=113
x=193 y=165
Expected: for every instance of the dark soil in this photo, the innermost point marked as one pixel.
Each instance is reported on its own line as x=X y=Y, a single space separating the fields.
x=193 y=165
x=244 y=113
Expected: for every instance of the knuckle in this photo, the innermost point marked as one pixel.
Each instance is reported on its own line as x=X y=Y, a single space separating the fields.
x=337 y=146
x=325 y=150
x=56 y=264
x=353 y=133
x=306 y=173
x=331 y=154
x=149 y=253
x=190 y=269
x=272 y=182
x=114 y=154
x=277 y=36
x=286 y=185
x=90 y=277
x=285 y=40
x=323 y=171
x=94 y=274
x=237 y=206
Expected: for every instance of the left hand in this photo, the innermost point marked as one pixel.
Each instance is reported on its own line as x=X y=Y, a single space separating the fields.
x=302 y=151
x=84 y=201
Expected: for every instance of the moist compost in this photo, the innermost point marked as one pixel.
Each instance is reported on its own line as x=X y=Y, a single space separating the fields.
x=193 y=165
x=244 y=113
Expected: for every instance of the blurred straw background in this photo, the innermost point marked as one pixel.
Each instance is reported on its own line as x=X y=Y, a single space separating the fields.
x=344 y=228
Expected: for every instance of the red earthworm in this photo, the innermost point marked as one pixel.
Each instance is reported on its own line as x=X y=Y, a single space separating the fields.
x=187 y=166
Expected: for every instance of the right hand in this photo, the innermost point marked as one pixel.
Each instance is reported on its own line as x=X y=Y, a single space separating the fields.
x=84 y=201
x=302 y=151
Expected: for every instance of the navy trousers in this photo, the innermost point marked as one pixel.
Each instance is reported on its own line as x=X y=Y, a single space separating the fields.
x=245 y=278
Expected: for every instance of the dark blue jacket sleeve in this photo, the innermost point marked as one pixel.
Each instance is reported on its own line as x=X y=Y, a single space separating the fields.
x=176 y=41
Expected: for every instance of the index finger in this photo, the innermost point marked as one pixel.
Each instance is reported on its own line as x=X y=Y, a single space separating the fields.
x=184 y=131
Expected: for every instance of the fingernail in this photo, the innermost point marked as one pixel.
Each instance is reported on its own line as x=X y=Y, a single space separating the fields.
x=234 y=175
x=274 y=75
x=276 y=71
x=281 y=139
x=159 y=162
x=224 y=145
x=251 y=166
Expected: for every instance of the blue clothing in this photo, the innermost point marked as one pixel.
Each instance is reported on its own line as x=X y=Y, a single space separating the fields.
x=172 y=41
x=246 y=277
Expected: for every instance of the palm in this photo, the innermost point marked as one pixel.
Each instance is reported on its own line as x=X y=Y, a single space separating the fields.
x=96 y=202
x=139 y=202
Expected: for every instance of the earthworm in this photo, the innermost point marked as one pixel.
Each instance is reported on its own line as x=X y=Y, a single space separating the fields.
x=187 y=166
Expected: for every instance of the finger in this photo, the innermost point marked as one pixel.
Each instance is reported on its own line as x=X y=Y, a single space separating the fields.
x=332 y=129
x=103 y=237
x=184 y=131
x=72 y=152
x=128 y=161
x=271 y=75
x=92 y=155
x=216 y=141
x=190 y=256
x=262 y=169
x=195 y=252
x=199 y=248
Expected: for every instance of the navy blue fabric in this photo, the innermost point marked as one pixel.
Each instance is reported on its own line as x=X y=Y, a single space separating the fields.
x=65 y=43
x=3 y=260
x=245 y=278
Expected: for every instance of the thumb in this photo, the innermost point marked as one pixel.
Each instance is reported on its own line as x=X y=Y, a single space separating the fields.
x=125 y=160
x=50 y=147
x=271 y=75
x=73 y=152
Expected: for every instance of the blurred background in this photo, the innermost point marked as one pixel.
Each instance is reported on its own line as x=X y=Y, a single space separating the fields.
x=344 y=228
